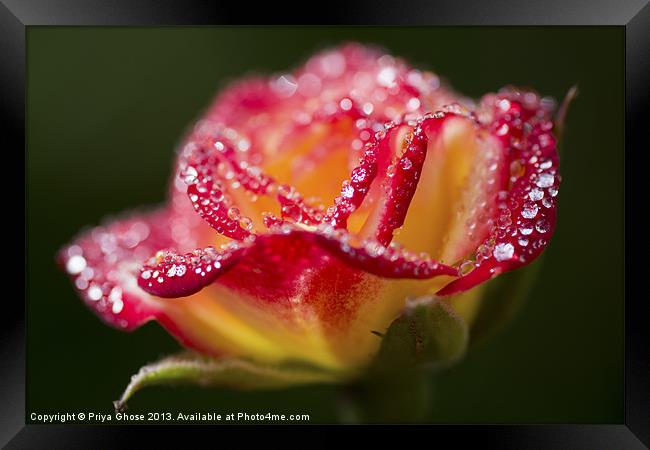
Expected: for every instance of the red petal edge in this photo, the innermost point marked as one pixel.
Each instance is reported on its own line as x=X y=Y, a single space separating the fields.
x=171 y=275
x=103 y=264
x=528 y=210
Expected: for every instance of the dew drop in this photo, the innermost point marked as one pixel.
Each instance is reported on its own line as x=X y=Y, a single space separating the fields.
x=75 y=265
x=386 y=76
x=504 y=221
x=526 y=230
x=466 y=267
x=545 y=180
x=246 y=223
x=413 y=104
x=536 y=194
x=285 y=86
x=117 y=307
x=233 y=213
x=345 y=104
x=406 y=164
x=368 y=108
x=504 y=105
x=542 y=225
x=390 y=170
x=374 y=248
x=347 y=191
x=94 y=292
x=190 y=175
x=503 y=251
x=529 y=210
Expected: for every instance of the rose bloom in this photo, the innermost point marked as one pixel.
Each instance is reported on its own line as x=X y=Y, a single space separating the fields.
x=306 y=208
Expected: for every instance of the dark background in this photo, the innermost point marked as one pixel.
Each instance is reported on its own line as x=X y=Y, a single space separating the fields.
x=107 y=106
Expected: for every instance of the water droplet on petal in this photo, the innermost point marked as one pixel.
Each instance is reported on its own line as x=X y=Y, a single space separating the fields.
x=503 y=251
x=285 y=86
x=345 y=104
x=117 y=307
x=347 y=191
x=190 y=175
x=94 y=292
x=390 y=170
x=233 y=213
x=386 y=76
x=545 y=180
x=413 y=104
x=542 y=225
x=246 y=223
x=466 y=267
x=526 y=230
x=75 y=265
x=529 y=210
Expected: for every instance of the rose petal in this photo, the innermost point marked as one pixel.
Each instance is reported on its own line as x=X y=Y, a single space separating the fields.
x=104 y=262
x=449 y=211
x=527 y=210
x=208 y=193
x=291 y=124
x=171 y=275
x=297 y=295
x=107 y=259
x=397 y=182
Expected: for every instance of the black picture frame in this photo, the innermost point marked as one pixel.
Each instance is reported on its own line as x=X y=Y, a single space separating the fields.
x=633 y=15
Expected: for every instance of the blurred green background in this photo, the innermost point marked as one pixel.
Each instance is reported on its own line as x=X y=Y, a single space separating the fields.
x=107 y=106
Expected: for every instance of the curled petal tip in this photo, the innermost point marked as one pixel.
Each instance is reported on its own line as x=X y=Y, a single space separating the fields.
x=171 y=275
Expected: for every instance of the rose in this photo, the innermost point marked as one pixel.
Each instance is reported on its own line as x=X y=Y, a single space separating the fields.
x=307 y=208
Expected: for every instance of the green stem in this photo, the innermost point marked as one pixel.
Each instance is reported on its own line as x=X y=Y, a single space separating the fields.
x=396 y=397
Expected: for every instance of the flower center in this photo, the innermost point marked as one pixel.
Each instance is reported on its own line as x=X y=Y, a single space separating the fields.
x=314 y=160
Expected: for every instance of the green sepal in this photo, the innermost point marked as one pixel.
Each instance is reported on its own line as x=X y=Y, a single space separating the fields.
x=193 y=368
x=428 y=333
